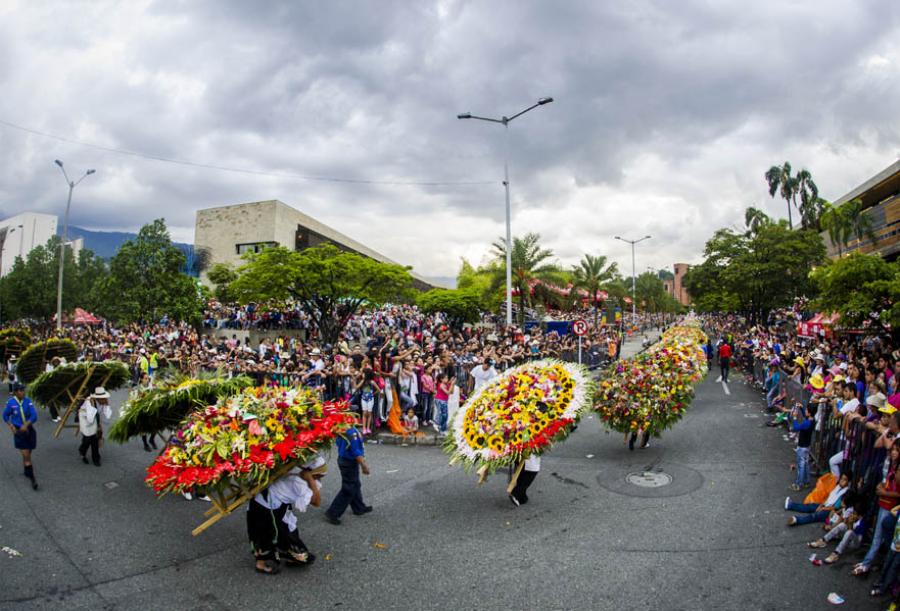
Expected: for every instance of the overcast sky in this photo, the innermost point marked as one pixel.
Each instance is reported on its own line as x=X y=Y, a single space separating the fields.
x=666 y=114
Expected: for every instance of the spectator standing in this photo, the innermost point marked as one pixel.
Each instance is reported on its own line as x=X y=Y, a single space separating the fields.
x=20 y=416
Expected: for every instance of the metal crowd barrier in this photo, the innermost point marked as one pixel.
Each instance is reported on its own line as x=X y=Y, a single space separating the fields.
x=856 y=443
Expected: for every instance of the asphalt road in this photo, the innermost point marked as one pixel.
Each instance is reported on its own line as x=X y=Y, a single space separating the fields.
x=714 y=538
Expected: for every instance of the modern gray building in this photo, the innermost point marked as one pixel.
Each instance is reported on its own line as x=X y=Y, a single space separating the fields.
x=227 y=232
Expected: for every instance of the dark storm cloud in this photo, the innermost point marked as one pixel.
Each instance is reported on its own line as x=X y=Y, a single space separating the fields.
x=666 y=114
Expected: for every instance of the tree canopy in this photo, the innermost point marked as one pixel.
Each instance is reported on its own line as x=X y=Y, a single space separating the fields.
x=755 y=272
x=146 y=282
x=329 y=284
x=862 y=289
x=459 y=305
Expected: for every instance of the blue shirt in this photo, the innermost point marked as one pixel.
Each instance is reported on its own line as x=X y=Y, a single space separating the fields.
x=14 y=412
x=351 y=447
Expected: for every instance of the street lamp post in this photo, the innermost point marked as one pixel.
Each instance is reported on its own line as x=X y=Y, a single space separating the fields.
x=505 y=122
x=633 y=277
x=62 y=247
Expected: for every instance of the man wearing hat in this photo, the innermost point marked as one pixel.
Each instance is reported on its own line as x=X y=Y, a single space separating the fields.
x=20 y=416
x=314 y=375
x=89 y=425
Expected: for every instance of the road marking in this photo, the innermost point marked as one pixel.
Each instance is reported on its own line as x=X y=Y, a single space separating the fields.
x=725 y=388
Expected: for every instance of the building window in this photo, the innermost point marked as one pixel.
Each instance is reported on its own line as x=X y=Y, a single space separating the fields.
x=254 y=247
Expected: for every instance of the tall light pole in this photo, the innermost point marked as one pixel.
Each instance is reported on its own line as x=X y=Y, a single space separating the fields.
x=62 y=246
x=633 y=277
x=505 y=122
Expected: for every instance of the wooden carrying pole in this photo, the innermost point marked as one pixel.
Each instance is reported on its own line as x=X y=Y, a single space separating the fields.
x=225 y=502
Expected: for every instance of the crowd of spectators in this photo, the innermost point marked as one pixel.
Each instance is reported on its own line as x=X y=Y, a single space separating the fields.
x=838 y=394
x=384 y=355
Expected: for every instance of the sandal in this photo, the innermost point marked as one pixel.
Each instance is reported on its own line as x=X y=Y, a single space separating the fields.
x=832 y=558
x=818 y=544
x=271 y=568
x=795 y=487
x=875 y=592
x=860 y=570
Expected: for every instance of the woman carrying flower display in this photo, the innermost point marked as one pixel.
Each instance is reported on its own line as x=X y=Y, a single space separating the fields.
x=271 y=523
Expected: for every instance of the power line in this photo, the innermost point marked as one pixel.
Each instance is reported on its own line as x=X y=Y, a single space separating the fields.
x=209 y=166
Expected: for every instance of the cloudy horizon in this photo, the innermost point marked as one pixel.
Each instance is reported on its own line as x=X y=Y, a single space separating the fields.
x=666 y=116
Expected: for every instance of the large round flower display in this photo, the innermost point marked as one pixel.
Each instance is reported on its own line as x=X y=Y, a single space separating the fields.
x=519 y=413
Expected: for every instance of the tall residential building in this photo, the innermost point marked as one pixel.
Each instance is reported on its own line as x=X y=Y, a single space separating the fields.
x=21 y=233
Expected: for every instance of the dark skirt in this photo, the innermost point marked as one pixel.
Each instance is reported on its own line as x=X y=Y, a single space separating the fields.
x=25 y=440
x=269 y=536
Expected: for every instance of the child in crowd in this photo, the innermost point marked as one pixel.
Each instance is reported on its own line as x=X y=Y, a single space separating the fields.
x=411 y=421
x=802 y=421
x=815 y=512
x=849 y=526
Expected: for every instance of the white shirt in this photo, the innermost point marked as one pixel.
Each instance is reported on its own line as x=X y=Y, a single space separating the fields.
x=482 y=376
x=532 y=463
x=849 y=406
x=290 y=489
x=87 y=418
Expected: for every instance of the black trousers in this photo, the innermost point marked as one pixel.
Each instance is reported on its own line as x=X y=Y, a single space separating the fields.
x=520 y=491
x=724 y=365
x=350 y=492
x=92 y=442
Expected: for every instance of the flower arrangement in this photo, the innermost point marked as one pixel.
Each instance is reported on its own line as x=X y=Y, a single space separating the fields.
x=169 y=401
x=50 y=387
x=245 y=438
x=651 y=391
x=522 y=412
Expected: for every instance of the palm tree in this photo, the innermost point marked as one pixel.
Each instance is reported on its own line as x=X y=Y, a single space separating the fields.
x=779 y=178
x=593 y=274
x=845 y=222
x=832 y=221
x=530 y=262
x=811 y=205
x=755 y=219
x=858 y=224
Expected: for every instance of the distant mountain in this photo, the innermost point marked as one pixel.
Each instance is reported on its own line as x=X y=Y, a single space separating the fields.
x=106 y=243
x=447 y=282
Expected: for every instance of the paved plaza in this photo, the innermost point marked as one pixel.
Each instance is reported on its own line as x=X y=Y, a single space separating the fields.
x=713 y=538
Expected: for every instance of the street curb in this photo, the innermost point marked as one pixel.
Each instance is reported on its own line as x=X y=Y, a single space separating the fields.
x=428 y=439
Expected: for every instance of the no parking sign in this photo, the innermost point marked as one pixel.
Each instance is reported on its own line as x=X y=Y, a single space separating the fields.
x=579 y=327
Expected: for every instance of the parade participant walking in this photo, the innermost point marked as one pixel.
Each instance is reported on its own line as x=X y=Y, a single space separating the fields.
x=725 y=360
x=271 y=523
x=20 y=415
x=530 y=469
x=89 y=426
x=351 y=458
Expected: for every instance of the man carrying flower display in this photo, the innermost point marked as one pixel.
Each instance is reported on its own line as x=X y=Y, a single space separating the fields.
x=530 y=469
x=271 y=523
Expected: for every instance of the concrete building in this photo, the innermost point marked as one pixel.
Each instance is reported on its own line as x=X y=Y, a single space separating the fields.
x=675 y=285
x=228 y=232
x=21 y=233
x=880 y=197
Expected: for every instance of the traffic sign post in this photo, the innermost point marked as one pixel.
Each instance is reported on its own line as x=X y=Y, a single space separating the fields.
x=579 y=328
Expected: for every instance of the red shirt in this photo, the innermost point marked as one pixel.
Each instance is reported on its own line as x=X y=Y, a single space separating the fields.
x=724 y=351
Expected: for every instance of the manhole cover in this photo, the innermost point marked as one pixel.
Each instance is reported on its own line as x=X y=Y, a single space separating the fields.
x=649 y=479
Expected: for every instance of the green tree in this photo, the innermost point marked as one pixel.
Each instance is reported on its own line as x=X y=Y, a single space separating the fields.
x=482 y=281
x=811 y=204
x=754 y=219
x=330 y=285
x=29 y=289
x=860 y=288
x=530 y=261
x=781 y=181
x=594 y=274
x=146 y=283
x=221 y=275
x=755 y=274
x=846 y=222
x=459 y=305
